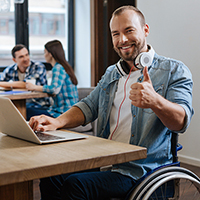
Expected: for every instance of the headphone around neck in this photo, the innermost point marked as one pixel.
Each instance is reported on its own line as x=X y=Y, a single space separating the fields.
x=142 y=60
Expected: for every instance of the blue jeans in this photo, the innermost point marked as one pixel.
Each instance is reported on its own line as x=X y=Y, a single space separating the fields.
x=90 y=185
x=32 y=111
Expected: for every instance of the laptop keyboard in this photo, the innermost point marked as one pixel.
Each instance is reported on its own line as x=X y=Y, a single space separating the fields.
x=45 y=137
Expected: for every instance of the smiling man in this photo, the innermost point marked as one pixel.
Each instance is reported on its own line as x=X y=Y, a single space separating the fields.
x=16 y=75
x=128 y=34
x=140 y=100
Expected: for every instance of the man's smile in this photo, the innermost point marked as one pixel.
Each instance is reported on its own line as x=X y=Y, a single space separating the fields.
x=125 y=47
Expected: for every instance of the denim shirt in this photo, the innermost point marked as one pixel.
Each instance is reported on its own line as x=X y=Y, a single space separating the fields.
x=172 y=80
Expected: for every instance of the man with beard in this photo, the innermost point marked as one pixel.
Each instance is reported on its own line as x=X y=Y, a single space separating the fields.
x=134 y=104
x=15 y=76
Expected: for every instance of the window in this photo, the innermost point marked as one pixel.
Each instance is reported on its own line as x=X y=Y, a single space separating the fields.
x=46 y=22
x=7 y=30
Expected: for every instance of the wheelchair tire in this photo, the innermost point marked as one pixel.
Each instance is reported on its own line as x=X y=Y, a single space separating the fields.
x=150 y=185
x=161 y=184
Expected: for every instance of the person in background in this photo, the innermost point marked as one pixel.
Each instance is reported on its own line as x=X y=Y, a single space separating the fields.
x=63 y=87
x=16 y=75
x=142 y=107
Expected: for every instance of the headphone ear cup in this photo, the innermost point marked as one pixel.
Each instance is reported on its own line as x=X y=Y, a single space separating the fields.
x=138 y=61
x=142 y=60
x=145 y=60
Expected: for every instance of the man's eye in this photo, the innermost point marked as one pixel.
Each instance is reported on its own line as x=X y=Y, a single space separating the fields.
x=115 y=34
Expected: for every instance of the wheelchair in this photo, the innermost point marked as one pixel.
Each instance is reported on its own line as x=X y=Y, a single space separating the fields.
x=170 y=182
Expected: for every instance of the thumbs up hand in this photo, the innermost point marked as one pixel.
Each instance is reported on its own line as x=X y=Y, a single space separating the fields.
x=142 y=94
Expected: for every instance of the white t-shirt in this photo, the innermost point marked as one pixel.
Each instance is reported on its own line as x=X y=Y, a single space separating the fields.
x=123 y=131
x=21 y=76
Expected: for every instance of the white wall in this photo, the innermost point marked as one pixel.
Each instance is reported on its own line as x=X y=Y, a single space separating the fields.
x=82 y=43
x=175 y=32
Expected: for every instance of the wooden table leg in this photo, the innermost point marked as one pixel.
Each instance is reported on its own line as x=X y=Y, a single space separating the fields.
x=17 y=191
x=21 y=106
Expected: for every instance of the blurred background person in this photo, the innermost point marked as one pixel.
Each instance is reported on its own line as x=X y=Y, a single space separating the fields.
x=16 y=75
x=63 y=87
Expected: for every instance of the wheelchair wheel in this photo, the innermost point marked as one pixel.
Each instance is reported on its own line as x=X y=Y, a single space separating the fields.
x=170 y=183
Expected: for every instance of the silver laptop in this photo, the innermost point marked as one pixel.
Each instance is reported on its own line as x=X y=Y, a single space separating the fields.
x=13 y=124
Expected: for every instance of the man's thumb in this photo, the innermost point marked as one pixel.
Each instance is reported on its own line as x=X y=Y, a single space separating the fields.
x=146 y=75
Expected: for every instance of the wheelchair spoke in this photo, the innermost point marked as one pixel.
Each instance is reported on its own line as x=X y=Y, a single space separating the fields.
x=187 y=186
x=156 y=196
x=196 y=195
x=163 y=191
x=183 y=187
x=188 y=190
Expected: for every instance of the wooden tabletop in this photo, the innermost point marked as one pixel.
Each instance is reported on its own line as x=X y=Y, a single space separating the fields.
x=22 y=161
x=25 y=95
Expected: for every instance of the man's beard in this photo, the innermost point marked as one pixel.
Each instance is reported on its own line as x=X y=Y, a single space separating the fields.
x=131 y=57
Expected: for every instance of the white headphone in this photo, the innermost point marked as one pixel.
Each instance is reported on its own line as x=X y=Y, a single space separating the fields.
x=145 y=58
x=142 y=60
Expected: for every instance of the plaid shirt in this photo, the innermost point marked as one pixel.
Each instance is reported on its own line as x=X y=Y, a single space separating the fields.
x=65 y=93
x=36 y=71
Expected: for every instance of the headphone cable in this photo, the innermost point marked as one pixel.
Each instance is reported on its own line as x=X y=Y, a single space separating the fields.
x=121 y=103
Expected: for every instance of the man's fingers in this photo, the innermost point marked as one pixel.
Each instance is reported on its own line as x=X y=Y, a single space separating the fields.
x=136 y=86
x=36 y=122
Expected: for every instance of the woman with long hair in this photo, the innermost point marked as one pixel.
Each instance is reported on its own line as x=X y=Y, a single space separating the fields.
x=63 y=87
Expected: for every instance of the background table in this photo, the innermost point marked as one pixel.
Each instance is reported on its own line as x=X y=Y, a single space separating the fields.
x=21 y=161
x=19 y=100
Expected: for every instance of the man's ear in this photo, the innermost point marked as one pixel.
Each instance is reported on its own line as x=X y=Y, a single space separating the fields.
x=146 y=30
x=14 y=60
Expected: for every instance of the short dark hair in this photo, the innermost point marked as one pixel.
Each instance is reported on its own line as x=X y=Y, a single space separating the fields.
x=121 y=9
x=17 y=47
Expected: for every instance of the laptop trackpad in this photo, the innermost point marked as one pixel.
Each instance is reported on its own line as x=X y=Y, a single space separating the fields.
x=45 y=136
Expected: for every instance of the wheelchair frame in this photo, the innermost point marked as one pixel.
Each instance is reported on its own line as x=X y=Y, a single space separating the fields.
x=162 y=176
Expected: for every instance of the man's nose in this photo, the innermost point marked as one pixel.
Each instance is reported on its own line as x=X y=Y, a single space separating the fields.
x=123 y=38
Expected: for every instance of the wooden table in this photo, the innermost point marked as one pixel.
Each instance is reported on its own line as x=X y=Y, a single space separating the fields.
x=21 y=162
x=19 y=100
